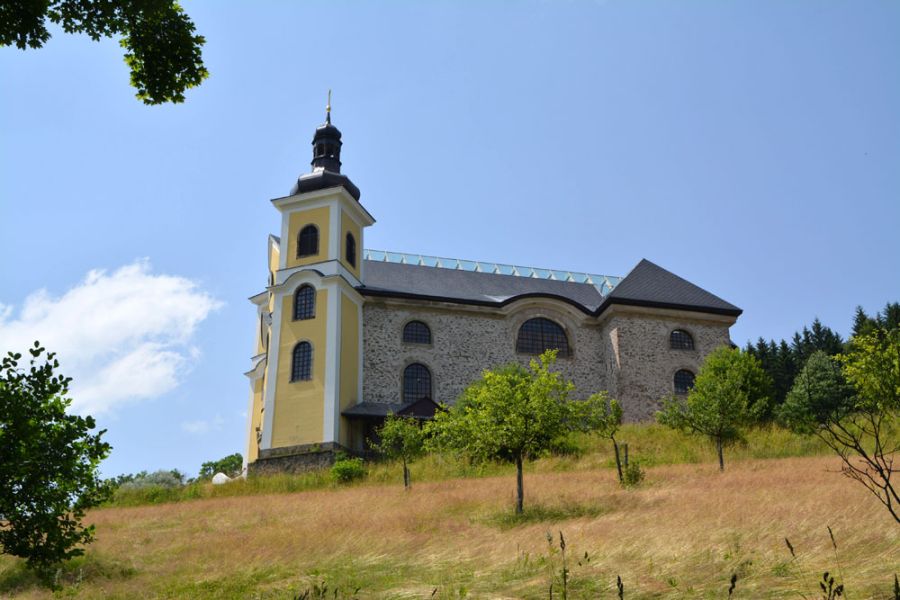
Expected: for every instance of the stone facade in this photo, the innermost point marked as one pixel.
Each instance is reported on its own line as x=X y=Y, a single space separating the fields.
x=625 y=351
x=295 y=459
x=642 y=363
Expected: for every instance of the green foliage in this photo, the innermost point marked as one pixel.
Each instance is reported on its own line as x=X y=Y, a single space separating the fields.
x=511 y=414
x=633 y=474
x=402 y=438
x=48 y=464
x=231 y=465
x=855 y=410
x=730 y=393
x=347 y=469
x=820 y=394
x=142 y=480
x=601 y=415
x=162 y=51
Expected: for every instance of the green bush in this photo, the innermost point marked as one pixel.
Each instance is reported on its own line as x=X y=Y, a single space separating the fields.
x=632 y=474
x=345 y=470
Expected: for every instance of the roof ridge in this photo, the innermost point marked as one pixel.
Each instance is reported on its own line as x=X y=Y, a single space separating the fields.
x=603 y=283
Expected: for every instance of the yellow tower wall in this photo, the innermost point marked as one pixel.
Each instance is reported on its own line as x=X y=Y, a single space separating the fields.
x=298 y=417
x=255 y=419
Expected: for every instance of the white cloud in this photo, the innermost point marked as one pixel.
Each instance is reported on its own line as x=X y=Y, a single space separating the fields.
x=122 y=336
x=203 y=425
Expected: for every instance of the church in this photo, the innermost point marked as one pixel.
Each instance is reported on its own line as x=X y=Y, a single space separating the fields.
x=348 y=335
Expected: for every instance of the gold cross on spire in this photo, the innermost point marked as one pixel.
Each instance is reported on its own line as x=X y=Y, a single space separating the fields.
x=328 y=109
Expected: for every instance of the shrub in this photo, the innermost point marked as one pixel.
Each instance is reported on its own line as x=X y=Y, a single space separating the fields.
x=632 y=474
x=345 y=470
x=161 y=478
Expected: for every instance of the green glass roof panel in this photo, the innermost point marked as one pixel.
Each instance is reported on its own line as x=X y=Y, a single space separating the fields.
x=604 y=283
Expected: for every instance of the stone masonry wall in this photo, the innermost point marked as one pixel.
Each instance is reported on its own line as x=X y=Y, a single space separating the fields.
x=627 y=354
x=464 y=343
x=644 y=365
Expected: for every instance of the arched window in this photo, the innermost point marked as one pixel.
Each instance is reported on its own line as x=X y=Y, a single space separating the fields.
x=351 y=250
x=301 y=365
x=305 y=302
x=684 y=381
x=681 y=340
x=416 y=383
x=308 y=241
x=540 y=334
x=416 y=332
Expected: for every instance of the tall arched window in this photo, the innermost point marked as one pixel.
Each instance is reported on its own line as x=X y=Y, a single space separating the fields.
x=416 y=332
x=301 y=364
x=351 y=250
x=684 y=381
x=308 y=241
x=416 y=383
x=540 y=334
x=681 y=340
x=305 y=302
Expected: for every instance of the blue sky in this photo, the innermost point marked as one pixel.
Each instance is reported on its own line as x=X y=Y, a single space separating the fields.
x=750 y=147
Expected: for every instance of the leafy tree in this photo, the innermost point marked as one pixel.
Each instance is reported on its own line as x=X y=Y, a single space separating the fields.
x=783 y=360
x=231 y=465
x=601 y=415
x=401 y=438
x=731 y=392
x=48 y=463
x=511 y=414
x=142 y=480
x=852 y=403
x=161 y=49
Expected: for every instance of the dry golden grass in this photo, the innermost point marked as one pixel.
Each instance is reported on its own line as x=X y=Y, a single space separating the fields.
x=680 y=535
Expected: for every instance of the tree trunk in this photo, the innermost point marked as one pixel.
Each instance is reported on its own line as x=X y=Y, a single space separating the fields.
x=618 y=461
x=406 y=482
x=721 y=457
x=520 y=489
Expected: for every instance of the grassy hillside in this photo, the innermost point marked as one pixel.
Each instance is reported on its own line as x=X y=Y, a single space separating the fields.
x=682 y=534
x=652 y=445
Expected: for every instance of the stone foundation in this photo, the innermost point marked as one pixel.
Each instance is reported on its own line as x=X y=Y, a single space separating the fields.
x=296 y=459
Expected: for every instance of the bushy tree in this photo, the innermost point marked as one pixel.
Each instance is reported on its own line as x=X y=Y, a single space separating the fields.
x=161 y=49
x=601 y=415
x=510 y=414
x=231 y=465
x=731 y=392
x=402 y=438
x=161 y=478
x=854 y=408
x=48 y=463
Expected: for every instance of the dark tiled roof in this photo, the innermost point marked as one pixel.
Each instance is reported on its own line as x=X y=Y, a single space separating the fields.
x=646 y=285
x=394 y=279
x=423 y=408
x=651 y=285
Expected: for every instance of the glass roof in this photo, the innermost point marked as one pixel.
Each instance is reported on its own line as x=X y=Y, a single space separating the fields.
x=604 y=283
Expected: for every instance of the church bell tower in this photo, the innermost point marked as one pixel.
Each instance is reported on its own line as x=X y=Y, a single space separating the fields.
x=309 y=362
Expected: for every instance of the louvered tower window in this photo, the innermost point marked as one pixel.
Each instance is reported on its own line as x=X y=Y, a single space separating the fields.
x=308 y=241
x=351 y=250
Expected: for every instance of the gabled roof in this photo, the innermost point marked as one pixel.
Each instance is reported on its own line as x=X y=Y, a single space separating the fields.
x=650 y=285
x=646 y=285
x=470 y=287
